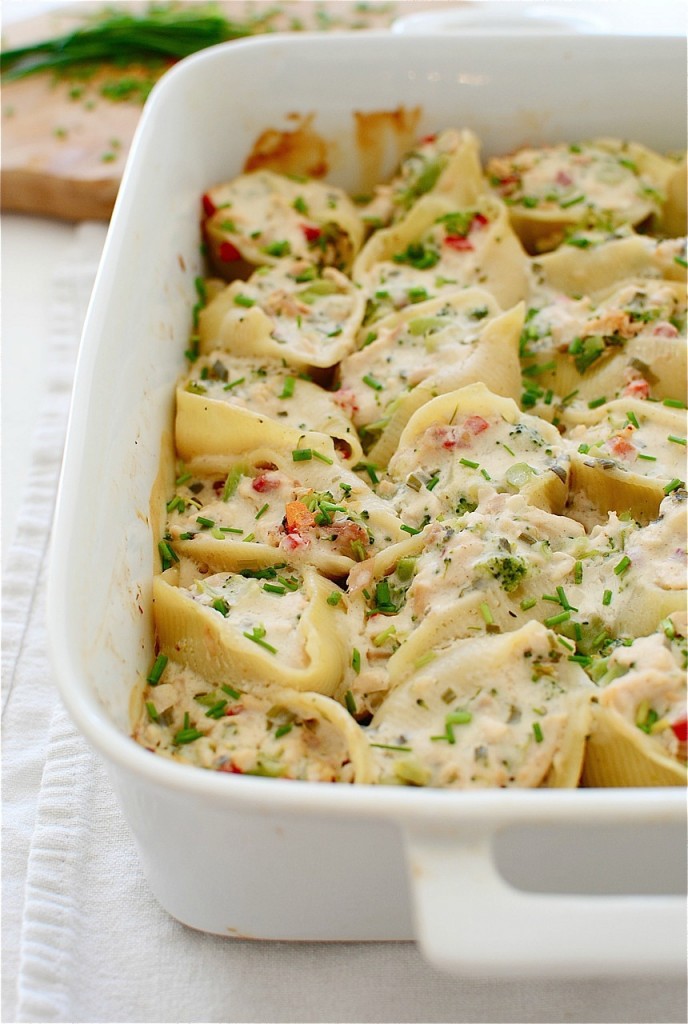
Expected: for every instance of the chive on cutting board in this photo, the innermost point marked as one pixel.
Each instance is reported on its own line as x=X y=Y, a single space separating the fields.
x=65 y=143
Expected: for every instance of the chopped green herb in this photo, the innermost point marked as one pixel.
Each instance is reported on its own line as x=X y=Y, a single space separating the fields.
x=157 y=669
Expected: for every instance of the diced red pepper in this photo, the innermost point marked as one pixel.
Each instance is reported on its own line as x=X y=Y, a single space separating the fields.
x=428 y=138
x=479 y=221
x=209 y=207
x=680 y=730
x=233 y=709
x=228 y=252
x=458 y=242
x=265 y=482
x=311 y=233
x=476 y=424
x=229 y=766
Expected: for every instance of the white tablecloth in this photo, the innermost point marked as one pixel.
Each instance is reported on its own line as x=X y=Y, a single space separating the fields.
x=83 y=940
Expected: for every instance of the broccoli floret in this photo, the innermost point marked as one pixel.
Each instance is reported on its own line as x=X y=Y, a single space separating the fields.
x=508 y=569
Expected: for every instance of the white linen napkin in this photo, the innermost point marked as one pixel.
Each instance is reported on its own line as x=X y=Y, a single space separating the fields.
x=83 y=938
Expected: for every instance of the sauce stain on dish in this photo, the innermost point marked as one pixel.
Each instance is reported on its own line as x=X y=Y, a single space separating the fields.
x=381 y=137
x=300 y=151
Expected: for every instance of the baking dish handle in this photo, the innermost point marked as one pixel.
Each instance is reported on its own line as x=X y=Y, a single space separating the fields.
x=470 y=921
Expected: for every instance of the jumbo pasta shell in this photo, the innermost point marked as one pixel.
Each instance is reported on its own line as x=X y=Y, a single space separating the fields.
x=492 y=360
x=300 y=644
x=478 y=695
x=205 y=425
x=619 y=754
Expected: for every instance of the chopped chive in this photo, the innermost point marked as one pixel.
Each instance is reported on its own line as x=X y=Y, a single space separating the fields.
x=555 y=620
x=581 y=659
x=372 y=382
x=356 y=660
x=288 y=387
x=599 y=640
x=231 y=483
x=676 y=440
x=229 y=529
x=262 y=510
x=187 y=736
x=584 y=448
x=607 y=597
x=485 y=474
x=486 y=613
x=168 y=556
x=217 y=710
x=564 y=601
x=323 y=458
x=647 y=458
x=350 y=702
x=469 y=463
x=458 y=717
x=234 y=694
x=633 y=419
x=565 y=643
x=390 y=746
x=289 y=582
x=249 y=538
x=622 y=566
x=578 y=572
x=597 y=402
x=384 y=636
x=409 y=529
x=673 y=485
x=234 y=383
x=205 y=522
x=334 y=598
x=153 y=713
x=257 y=637
x=244 y=300
x=674 y=403
x=433 y=481
x=528 y=602
x=157 y=669
x=274 y=588
x=370 y=469
x=283 y=730
x=537 y=732
x=302 y=454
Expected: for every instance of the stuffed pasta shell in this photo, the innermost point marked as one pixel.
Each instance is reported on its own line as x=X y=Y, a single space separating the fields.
x=551 y=188
x=271 y=506
x=278 y=733
x=296 y=311
x=261 y=218
x=227 y=405
x=638 y=734
x=487 y=712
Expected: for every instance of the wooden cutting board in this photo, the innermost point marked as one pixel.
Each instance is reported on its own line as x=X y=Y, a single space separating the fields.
x=64 y=143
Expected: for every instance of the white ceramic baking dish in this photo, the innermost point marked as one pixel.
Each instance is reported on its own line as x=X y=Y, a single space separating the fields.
x=500 y=882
